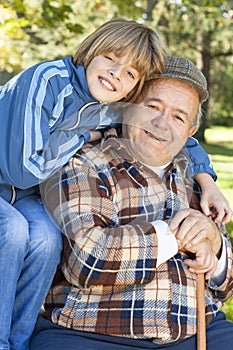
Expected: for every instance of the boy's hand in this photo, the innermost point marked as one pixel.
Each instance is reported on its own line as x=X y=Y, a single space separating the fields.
x=213 y=202
x=95 y=135
x=216 y=206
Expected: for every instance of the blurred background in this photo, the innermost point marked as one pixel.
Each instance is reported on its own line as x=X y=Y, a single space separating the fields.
x=34 y=31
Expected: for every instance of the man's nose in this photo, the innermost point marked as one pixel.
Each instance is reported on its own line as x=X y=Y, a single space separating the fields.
x=160 y=121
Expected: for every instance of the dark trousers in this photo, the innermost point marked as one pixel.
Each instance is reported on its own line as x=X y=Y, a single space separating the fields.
x=48 y=336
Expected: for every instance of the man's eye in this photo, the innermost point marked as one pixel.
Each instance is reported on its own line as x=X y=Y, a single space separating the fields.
x=178 y=117
x=154 y=107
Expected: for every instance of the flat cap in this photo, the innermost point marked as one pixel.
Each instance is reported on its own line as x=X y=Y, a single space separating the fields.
x=181 y=68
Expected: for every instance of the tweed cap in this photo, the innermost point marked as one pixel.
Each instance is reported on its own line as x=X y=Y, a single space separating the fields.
x=183 y=69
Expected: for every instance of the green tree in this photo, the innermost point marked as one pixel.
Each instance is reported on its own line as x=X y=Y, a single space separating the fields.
x=203 y=30
x=47 y=29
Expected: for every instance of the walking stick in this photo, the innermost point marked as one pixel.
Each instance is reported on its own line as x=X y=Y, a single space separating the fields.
x=201 y=322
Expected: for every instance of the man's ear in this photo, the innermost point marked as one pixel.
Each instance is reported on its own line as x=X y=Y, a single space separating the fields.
x=193 y=130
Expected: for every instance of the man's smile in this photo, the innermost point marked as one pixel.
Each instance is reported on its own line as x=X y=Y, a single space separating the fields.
x=154 y=136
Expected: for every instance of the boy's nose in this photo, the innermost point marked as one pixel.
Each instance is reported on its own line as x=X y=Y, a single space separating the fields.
x=116 y=72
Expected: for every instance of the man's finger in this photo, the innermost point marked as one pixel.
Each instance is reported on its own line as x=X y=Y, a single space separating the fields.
x=178 y=218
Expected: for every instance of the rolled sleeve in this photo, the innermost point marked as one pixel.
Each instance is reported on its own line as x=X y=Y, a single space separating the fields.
x=200 y=161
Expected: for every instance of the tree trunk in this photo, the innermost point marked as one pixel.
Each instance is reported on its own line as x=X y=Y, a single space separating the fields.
x=203 y=63
x=150 y=5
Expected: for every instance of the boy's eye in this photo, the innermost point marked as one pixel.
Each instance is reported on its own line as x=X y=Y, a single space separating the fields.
x=131 y=74
x=109 y=57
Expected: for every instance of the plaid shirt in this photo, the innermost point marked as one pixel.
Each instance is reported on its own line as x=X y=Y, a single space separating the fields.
x=104 y=201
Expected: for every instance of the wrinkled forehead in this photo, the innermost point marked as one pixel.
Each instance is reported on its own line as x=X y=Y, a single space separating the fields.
x=151 y=87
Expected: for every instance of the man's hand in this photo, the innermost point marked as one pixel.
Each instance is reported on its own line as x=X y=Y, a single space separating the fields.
x=191 y=227
x=205 y=260
x=199 y=235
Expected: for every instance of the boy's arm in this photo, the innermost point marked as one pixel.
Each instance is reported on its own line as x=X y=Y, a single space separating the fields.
x=213 y=202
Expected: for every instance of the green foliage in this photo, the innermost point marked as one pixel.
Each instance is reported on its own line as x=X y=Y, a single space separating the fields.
x=129 y=9
x=220 y=108
x=203 y=31
x=46 y=29
x=228 y=309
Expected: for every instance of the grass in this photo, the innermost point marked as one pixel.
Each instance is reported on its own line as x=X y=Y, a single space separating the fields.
x=220 y=149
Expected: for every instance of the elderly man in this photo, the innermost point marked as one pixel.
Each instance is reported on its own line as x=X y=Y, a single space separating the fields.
x=128 y=208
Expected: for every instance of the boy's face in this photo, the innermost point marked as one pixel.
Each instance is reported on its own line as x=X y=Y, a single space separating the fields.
x=111 y=78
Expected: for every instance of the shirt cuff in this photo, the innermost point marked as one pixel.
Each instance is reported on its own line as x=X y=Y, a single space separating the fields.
x=167 y=244
x=220 y=272
x=86 y=135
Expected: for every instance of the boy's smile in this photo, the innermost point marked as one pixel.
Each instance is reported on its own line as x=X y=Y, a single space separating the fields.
x=110 y=78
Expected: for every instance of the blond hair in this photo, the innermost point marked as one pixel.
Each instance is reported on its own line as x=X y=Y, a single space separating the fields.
x=125 y=37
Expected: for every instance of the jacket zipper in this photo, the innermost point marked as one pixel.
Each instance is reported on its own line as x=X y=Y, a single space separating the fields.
x=13 y=196
x=80 y=112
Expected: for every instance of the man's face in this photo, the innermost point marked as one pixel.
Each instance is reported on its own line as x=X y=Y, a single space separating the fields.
x=111 y=78
x=154 y=135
